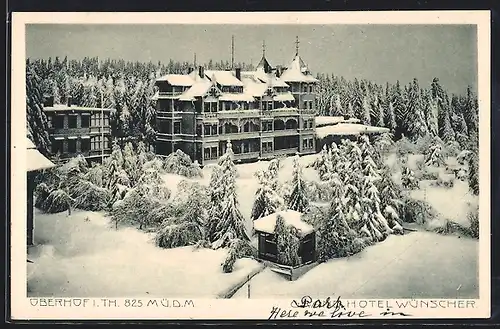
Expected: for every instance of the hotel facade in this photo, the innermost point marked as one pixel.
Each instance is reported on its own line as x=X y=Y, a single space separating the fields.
x=265 y=113
x=76 y=130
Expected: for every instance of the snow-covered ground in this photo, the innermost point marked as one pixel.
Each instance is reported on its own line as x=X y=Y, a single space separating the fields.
x=417 y=265
x=76 y=257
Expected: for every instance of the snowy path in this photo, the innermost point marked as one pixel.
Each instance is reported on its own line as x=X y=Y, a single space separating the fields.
x=417 y=265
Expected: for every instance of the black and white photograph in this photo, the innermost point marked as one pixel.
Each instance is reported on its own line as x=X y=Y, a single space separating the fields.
x=304 y=161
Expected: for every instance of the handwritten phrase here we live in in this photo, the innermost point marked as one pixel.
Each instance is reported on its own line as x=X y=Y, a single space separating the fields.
x=327 y=308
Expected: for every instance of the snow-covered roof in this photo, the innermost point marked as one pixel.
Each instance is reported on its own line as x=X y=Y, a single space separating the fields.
x=291 y=217
x=256 y=89
x=297 y=72
x=269 y=79
x=64 y=108
x=34 y=159
x=183 y=80
x=198 y=89
x=224 y=78
x=348 y=129
x=236 y=97
x=327 y=120
x=284 y=97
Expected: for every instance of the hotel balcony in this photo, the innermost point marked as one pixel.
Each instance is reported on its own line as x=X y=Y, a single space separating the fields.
x=169 y=94
x=284 y=152
x=238 y=114
x=282 y=112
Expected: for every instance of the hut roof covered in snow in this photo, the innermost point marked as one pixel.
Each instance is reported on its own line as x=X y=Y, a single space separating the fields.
x=294 y=218
x=348 y=129
x=34 y=159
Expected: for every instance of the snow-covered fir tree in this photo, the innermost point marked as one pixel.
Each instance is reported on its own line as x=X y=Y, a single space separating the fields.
x=215 y=198
x=434 y=154
x=267 y=199
x=231 y=222
x=37 y=125
x=298 y=200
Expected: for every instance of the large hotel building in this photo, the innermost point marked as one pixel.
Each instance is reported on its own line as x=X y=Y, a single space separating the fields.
x=265 y=113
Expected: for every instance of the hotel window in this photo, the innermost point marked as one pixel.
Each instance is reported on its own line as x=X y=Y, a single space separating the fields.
x=207 y=153
x=72 y=121
x=208 y=130
x=95 y=143
x=214 y=129
x=72 y=146
x=58 y=122
x=311 y=143
x=85 y=121
x=177 y=127
x=199 y=130
x=85 y=145
x=214 y=152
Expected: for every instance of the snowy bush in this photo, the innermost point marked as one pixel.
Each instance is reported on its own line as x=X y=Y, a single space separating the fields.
x=417 y=211
x=57 y=201
x=177 y=235
x=180 y=163
x=404 y=147
x=228 y=264
x=428 y=174
x=434 y=156
x=447 y=182
x=136 y=208
x=41 y=193
x=463 y=157
x=408 y=179
x=384 y=143
x=473 y=217
x=89 y=196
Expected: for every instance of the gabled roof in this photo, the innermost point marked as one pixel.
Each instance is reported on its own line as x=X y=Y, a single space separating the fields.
x=197 y=90
x=297 y=71
x=224 y=78
x=182 y=80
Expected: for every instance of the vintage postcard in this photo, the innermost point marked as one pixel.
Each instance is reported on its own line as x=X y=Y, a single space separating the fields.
x=268 y=166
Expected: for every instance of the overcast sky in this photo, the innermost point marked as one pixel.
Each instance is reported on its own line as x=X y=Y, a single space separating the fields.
x=375 y=52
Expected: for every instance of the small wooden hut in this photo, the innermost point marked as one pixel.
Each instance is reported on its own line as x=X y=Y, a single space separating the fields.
x=35 y=161
x=267 y=248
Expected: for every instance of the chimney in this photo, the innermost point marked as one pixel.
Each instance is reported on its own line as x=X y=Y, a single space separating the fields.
x=238 y=73
x=49 y=101
x=70 y=101
x=201 y=72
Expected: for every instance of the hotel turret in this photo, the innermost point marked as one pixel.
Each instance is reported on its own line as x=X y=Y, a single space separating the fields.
x=265 y=113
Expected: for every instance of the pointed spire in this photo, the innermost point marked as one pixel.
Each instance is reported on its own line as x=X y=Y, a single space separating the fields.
x=194 y=60
x=297 y=42
x=263 y=48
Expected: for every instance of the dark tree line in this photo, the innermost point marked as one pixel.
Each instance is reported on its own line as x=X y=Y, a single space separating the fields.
x=411 y=110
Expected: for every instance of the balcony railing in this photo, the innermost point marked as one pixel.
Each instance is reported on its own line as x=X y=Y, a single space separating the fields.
x=284 y=111
x=238 y=114
x=239 y=135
